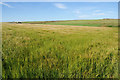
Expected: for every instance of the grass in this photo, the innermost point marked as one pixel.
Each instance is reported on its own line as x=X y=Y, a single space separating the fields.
x=59 y=51
x=97 y=23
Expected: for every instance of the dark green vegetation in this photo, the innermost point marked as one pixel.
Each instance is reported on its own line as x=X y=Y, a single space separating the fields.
x=98 y=23
x=54 y=51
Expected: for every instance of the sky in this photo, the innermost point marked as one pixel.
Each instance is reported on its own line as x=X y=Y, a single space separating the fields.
x=49 y=11
x=60 y=0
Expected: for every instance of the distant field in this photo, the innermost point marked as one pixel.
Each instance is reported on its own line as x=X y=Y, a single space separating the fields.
x=98 y=23
x=60 y=50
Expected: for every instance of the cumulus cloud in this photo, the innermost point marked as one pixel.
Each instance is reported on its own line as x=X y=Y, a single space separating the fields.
x=6 y=5
x=61 y=6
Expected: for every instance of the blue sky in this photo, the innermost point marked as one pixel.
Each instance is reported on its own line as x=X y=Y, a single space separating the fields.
x=47 y=11
x=60 y=1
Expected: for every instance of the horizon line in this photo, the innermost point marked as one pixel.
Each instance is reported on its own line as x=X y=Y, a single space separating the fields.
x=63 y=20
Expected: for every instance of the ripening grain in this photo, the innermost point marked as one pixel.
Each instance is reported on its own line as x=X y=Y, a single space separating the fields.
x=59 y=51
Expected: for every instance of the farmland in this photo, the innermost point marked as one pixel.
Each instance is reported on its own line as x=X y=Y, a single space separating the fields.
x=98 y=23
x=60 y=49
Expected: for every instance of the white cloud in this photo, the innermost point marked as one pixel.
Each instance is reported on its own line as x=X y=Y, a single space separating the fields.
x=110 y=12
x=77 y=11
x=97 y=10
x=61 y=6
x=60 y=0
x=83 y=16
x=6 y=5
x=99 y=14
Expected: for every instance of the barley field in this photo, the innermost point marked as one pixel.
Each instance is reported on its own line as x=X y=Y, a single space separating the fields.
x=59 y=51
